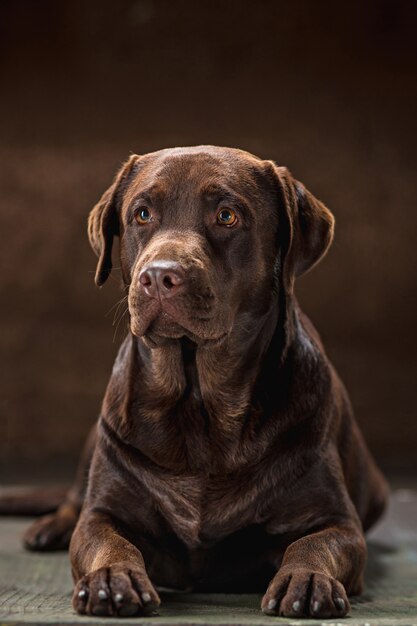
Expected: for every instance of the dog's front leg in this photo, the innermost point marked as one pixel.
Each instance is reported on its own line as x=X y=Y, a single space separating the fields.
x=317 y=573
x=108 y=570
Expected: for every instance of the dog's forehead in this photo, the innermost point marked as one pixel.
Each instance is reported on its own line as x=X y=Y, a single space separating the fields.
x=198 y=168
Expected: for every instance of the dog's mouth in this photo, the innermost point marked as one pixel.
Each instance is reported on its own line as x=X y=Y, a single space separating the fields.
x=169 y=300
x=158 y=323
x=165 y=326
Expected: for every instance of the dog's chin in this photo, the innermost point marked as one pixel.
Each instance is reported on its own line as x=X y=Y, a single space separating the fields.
x=166 y=326
x=160 y=325
x=164 y=329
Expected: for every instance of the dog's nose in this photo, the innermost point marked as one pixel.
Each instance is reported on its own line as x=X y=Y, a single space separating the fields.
x=163 y=279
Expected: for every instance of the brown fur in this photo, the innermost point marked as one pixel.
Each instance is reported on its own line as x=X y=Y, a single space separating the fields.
x=226 y=452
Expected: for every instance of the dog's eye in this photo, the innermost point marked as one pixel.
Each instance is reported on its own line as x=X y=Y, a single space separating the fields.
x=143 y=216
x=226 y=217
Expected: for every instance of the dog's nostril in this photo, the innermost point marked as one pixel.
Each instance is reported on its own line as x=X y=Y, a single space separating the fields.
x=145 y=279
x=168 y=282
x=172 y=280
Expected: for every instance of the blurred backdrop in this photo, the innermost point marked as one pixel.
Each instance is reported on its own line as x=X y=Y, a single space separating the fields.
x=326 y=88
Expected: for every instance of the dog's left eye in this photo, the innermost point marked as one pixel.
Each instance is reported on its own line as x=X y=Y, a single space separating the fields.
x=143 y=216
x=226 y=217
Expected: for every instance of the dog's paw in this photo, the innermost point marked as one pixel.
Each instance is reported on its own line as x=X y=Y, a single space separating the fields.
x=51 y=532
x=303 y=593
x=116 y=590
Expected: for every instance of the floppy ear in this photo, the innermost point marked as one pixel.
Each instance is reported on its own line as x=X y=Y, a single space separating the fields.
x=103 y=221
x=306 y=225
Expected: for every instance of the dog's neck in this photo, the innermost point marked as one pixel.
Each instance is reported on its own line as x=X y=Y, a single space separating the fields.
x=187 y=406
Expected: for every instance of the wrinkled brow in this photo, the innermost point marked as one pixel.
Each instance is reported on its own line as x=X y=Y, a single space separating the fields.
x=150 y=194
x=216 y=193
x=213 y=189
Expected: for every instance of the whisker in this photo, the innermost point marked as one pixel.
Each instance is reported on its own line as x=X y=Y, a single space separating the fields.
x=117 y=315
x=118 y=303
x=94 y=271
x=120 y=319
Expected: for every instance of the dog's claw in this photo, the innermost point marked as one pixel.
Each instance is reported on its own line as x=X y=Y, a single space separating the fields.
x=316 y=607
x=296 y=606
x=340 y=603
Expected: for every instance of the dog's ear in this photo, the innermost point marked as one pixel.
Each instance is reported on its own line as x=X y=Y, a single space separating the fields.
x=103 y=221
x=305 y=227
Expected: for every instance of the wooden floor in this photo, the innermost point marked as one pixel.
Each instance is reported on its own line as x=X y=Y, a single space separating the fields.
x=36 y=588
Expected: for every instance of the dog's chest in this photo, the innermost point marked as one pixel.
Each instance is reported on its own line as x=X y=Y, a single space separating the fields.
x=198 y=477
x=202 y=510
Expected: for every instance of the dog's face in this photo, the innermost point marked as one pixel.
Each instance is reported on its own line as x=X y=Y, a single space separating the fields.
x=207 y=237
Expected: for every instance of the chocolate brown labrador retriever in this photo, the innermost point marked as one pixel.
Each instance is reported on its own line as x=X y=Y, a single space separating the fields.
x=226 y=456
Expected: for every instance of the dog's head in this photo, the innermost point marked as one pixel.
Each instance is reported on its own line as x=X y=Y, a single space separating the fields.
x=207 y=236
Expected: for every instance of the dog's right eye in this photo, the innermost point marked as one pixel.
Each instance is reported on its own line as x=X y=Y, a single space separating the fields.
x=226 y=217
x=143 y=216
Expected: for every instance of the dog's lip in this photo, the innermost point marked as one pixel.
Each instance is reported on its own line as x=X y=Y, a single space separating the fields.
x=165 y=312
x=156 y=339
x=158 y=336
x=164 y=319
x=215 y=341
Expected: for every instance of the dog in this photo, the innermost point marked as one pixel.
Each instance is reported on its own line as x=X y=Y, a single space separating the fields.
x=226 y=456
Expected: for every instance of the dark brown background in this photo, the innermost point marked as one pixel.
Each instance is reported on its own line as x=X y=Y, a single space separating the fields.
x=326 y=88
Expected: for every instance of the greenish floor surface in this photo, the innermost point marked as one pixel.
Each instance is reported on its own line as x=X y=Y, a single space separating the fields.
x=36 y=588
